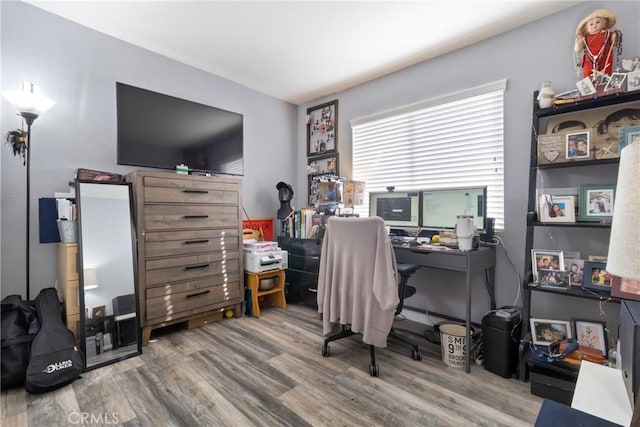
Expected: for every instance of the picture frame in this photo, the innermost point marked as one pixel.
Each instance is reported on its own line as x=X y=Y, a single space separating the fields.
x=575 y=267
x=323 y=165
x=557 y=208
x=633 y=80
x=616 y=81
x=596 y=202
x=98 y=312
x=548 y=331
x=585 y=86
x=554 y=279
x=577 y=145
x=591 y=334
x=322 y=128
x=596 y=278
x=627 y=135
x=546 y=259
x=624 y=288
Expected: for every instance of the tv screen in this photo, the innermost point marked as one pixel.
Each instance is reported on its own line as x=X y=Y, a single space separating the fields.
x=397 y=209
x=440 y=208
x=162 y=131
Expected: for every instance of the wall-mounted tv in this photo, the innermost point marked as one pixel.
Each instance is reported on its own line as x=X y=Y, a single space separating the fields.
x=162 y=131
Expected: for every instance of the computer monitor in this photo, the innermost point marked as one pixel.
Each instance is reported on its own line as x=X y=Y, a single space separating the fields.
x=441 y=207
x=397 y=209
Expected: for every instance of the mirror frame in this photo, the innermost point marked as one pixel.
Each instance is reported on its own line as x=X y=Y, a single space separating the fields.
x=80 y=262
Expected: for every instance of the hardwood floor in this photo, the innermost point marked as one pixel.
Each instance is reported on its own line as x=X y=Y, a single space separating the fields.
x=269 y=371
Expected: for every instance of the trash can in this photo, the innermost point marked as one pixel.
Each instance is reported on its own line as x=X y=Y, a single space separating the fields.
x=500 y=340
x=453 y=342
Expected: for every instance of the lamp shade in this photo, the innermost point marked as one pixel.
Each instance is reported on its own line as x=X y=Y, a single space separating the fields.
x=29 y=100
x=623 y=259
x=90 y=279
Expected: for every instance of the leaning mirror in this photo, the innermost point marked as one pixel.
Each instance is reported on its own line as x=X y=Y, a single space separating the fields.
x=109 y=317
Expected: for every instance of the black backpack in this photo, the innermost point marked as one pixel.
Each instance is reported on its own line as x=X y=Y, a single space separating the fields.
x=55 y=359
x=18 y=325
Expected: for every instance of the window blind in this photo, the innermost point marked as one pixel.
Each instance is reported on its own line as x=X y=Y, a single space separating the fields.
x=452 y=141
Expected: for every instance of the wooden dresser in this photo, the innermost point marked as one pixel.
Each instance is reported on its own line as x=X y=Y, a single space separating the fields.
x=68 y=284
x=189 y=232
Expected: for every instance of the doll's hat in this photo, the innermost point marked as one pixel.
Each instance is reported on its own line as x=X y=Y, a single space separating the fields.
x=599 y=13
x=284 y=185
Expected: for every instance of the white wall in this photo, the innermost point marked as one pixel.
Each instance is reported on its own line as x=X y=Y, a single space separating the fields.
x=526 y=56
x=78 y=68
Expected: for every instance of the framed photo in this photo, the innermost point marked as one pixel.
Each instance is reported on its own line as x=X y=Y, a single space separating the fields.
x=546 y=331
x=585 y=86
x=556 y=279
x=557 y=208
x=633 y=80
x=625 y=288
x=627 y=135
x=577 y=145
x=575 y=268
x=546 y=260
x=98 y=312
x=322 y=128
x=596 y=202
x=595 y=276
x=616 y=81
x=324 y=165
x=591 y=334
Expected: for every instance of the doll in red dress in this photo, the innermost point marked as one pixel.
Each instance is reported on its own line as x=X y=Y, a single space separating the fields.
x=595 y=39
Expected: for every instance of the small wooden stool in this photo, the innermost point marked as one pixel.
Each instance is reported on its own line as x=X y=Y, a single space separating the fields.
x=274 y=296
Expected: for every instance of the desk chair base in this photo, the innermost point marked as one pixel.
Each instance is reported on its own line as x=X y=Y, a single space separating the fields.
x=347 y=332
x=405 y=271
x=416 y=354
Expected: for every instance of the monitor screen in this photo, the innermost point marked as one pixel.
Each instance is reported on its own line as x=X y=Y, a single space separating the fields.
x=440 y=208
x=397 y=209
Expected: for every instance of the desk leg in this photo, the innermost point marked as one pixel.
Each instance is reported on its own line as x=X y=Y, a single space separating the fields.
x=467 y=364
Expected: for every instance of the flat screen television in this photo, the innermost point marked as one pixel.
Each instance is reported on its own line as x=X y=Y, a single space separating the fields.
x=397 y=209
x=441 y=207
x=162 y=131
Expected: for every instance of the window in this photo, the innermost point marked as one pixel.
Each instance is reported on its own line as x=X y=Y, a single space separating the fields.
x=453 y=141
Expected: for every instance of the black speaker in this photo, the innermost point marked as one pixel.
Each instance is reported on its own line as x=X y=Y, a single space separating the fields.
x=489 y=226
x=124 y=304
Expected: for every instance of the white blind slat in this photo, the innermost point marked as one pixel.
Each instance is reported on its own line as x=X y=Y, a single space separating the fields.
x=452 y=141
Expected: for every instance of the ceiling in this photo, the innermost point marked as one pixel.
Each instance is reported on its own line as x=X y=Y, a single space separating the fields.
x=301 y=50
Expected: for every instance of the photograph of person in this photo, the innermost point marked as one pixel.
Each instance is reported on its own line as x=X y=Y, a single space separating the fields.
x=557 y=209
x=616 y=81
x=577 y=145
x=545 y=260
x=608 y=128
x=600 y=277
x=554 y=279
x=600 y=202
x=546 y=332
x=575 y=268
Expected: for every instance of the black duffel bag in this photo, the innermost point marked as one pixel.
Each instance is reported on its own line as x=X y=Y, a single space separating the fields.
x=18 y=326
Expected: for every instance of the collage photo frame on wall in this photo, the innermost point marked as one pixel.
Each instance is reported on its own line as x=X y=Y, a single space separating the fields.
x=322 y=144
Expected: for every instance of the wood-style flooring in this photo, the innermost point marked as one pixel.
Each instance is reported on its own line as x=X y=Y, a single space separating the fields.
x=269 y=371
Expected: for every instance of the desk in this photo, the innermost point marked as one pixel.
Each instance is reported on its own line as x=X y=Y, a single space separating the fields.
x=470 y=263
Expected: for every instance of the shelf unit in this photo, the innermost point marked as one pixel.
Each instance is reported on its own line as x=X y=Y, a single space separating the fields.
x=590 y=167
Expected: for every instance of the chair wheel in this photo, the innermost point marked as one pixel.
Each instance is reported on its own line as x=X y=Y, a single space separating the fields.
x=373 y=370
x=325 y=350
x=416 y=354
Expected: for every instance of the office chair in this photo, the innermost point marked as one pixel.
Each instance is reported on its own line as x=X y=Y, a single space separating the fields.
x=357 y=284
x=405 y=291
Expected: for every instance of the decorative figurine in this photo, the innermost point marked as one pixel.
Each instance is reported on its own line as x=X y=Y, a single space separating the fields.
x=285 y=194
x=595 y=40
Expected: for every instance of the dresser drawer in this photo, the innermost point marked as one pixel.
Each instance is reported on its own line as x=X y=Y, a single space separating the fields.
x=171 y=306
x=171 y=217
x=190 y=195
x=190 y=267
x=172 y=243
x=225 y=279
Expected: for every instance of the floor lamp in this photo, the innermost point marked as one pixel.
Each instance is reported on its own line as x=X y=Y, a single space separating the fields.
x=30 y=105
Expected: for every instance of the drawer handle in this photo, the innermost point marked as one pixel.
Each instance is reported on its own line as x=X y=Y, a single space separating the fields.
x=196 y=216
x=198 y=294
x=190 y=242
x=196 y=191
x=191 y=267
